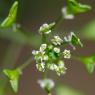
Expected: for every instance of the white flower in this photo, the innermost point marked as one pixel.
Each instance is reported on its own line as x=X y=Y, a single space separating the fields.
x=67 y=54
x=41 y=66
x=57 y=40
x=34 y=52
x=61 y=64
x=46 y=84
x=61 y=69
x=45 y=29
x=45 y=25
x=43 y=47
x=52 y=66
x=66 y=15
x=45 y=57
x=57 y=50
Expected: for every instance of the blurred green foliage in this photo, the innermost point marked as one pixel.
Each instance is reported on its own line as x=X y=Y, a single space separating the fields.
x=10 y=19
x=88 y=31
x=66 y=90
x=74 y=7
x=13 y=76
x=89 y=63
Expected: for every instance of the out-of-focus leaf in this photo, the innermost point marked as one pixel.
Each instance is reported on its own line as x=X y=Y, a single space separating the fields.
x=13 y=76
x=65 y=90
x=89 y=63
x=88 y=31
x=74 y=7
x=10 y=19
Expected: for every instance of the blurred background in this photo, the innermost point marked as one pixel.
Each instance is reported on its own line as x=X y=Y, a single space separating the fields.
x=16 y=47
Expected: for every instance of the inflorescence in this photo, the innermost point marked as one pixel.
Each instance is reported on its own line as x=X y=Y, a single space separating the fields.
x=49 y=56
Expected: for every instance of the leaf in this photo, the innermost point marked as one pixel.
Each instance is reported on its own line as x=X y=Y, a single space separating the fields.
x=14 y=84
x=88 y=31
x=89 y=63
x=10 y=19
x=73 y=7
x=65 y=90
x=74 y=40
x=13 y=76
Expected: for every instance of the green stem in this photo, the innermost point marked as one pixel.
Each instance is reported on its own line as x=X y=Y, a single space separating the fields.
x=58 y=22
x=44 y=41
x=26 y=63
x=45 y=74
x=43 y=38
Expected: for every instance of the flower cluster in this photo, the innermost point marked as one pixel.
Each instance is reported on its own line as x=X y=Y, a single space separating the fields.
x=67 y=54
x=57 y=40
x=59 y=68
x=49 y=56
x=40 y=57
x=46 y=28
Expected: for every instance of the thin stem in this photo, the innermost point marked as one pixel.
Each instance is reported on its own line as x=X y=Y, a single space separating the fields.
x=45 y=74
x=58 y=22
x=26 y=63
x=43 y=38
x=44 y=41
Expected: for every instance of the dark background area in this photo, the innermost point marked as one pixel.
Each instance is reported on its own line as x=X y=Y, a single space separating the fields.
x=32 y=14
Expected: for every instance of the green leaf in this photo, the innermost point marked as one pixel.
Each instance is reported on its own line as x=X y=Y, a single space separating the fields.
x=10 y=19
x=74 y=40
x=65 y=90
x=89 y=63
x=13 y=76
x=88 y=31
x=14 y=84
x=73 y=7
